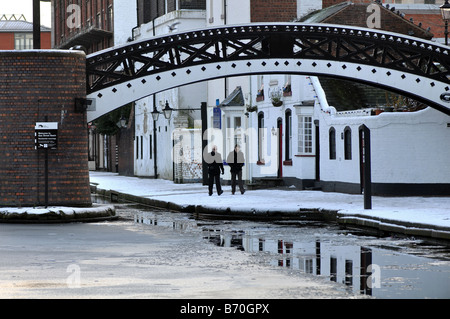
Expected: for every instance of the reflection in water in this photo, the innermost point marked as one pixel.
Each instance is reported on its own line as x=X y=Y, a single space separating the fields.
x=356 y=262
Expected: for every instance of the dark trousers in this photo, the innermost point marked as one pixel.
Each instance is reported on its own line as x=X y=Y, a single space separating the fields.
x=215 y=177
x=233 y=181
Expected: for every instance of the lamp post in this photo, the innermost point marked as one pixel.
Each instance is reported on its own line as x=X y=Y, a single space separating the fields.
x=445 y=11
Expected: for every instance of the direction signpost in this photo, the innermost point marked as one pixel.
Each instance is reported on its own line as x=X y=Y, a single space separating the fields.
x=46 y=137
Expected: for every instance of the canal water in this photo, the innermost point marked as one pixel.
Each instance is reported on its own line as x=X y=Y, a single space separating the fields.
x=385 y=268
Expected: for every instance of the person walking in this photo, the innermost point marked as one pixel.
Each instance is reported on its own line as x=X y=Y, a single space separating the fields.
x=236 y=161
x=215 y=166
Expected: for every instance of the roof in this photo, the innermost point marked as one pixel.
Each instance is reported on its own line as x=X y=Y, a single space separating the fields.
x=355 y=14
x=321 y=15
x=19 y=26
x=236 y=98
x=349 y=95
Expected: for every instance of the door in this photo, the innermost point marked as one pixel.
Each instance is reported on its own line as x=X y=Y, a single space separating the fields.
x=361 y=160
x=317 y=143
x=280 y=147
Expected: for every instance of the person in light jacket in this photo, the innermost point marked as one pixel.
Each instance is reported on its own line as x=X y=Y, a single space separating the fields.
x=236 y=161
x=215 y=167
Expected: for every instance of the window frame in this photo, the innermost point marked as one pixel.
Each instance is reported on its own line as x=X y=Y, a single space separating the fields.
x=304 y=136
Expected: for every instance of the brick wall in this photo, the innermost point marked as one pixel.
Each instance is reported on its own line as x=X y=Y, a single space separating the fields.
x=35 y=86
x=6 y=41
x=273 y=10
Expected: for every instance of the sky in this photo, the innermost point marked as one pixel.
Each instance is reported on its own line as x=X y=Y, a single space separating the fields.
x=25 y=7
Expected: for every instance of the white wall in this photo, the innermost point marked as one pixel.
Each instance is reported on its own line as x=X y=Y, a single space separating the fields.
x=306 y=7
x=406 y=147
x=125 y=20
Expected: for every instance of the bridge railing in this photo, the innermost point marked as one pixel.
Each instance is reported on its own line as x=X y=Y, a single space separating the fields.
x=256 y=41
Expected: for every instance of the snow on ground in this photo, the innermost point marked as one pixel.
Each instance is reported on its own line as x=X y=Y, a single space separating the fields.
x=55 y=209
x=433 y=211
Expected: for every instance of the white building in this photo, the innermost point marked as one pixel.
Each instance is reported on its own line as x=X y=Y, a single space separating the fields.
x=156 y=158
x=302 y=142
x=409 y=151
x=241 y=123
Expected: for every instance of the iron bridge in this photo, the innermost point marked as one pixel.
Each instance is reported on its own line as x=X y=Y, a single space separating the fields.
x=407 y=65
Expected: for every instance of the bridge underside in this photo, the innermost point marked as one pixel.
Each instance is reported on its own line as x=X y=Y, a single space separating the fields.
x=422 y=89
x=410 y=66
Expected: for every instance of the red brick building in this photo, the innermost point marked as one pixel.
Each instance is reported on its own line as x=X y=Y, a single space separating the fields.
x=356 y=14
x=89 y=23
x=17 y=34
x=421 y=12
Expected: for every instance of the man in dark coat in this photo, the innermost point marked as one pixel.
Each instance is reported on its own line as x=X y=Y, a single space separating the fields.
x=236 y=161
x=215 y=166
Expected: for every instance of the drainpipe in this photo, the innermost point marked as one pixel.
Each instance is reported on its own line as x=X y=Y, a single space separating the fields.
x=137 y=21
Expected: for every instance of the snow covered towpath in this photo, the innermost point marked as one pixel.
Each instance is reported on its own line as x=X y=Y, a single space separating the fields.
x=410 y=216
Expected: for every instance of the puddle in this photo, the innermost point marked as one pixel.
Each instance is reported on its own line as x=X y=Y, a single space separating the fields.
x=385 y=268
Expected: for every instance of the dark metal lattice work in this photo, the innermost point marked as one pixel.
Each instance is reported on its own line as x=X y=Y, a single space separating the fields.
x=384 y=51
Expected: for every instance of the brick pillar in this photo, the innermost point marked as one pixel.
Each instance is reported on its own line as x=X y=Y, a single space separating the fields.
x=40 y=86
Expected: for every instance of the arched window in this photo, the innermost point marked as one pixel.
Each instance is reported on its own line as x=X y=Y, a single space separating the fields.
x=347 y=143
x=332 y=143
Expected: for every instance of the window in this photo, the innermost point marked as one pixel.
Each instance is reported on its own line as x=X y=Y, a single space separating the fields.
x=150 y=146
x=193 y=4
x=332 y=143
x=260 y=84
x=348 y=143
x=288 y=135
x=137 y=147
x=142 y=147
x=233 y=132
x=211 y=11
x=261 y=137
x=110 y=18
x=287 y=90
x=237 y=131
x=99 y=21
x=23 y=41
x=305 y=135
